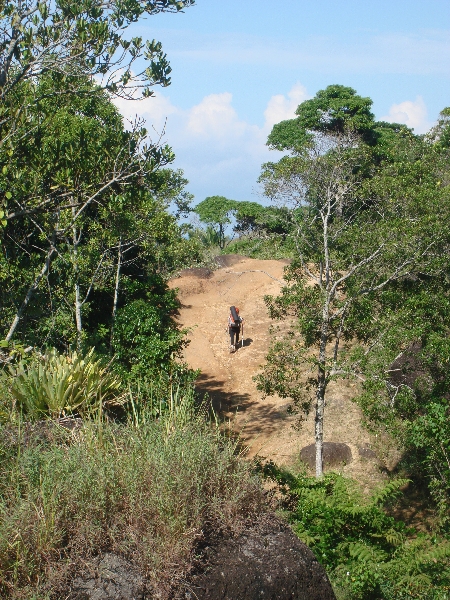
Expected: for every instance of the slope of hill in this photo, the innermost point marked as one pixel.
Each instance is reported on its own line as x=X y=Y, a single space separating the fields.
x=265 y=425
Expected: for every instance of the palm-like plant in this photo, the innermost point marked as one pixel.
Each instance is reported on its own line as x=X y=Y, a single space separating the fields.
x=58 y=385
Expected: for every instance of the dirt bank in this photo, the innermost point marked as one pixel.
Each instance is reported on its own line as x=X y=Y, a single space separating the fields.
x=228 y=378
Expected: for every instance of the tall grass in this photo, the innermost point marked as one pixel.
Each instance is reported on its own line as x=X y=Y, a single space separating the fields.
x=145 y=490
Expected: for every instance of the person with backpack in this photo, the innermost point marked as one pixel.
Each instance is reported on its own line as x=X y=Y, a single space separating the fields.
x=235 y=322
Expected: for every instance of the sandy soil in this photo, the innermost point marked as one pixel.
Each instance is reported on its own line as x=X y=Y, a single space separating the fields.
x=264 y=425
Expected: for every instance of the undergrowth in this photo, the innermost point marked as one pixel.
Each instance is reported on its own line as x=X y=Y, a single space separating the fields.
x=265 y=248
x=368 y=554
x=145 y=490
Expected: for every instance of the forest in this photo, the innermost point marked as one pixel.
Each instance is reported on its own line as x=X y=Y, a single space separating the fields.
x=106 y=443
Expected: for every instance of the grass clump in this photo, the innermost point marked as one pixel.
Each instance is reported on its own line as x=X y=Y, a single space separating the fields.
x=146 y=492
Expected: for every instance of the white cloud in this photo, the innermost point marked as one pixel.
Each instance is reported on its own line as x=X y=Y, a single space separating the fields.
x=411 y=113
x=280 y=108
x=219 y=152
x=215 y=118
x=155 y=110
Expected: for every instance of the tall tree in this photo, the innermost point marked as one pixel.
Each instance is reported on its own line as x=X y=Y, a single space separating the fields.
x=110 y=221
x=69 y=42
x=216 y=211
x=353 y=241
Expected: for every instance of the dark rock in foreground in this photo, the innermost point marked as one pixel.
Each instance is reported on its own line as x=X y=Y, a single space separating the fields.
x=334 y=454
x=111 y=578
x=266 y=561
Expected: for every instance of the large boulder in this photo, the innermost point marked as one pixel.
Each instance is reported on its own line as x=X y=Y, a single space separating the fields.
x=265 y=561
x=334 y=454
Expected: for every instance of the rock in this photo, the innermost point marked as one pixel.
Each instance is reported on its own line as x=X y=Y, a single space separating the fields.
x=111 y=578
x=198 y=272
x=334 y=454
x=228 y=260
x=265 y=561
x=367 y=452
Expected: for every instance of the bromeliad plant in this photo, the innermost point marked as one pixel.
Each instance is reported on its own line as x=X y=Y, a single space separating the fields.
x=56 y=385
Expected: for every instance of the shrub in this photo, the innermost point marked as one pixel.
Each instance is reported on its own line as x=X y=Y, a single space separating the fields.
x=146 y=337
x=429 y=435
x=56 y=385
x=367 y=553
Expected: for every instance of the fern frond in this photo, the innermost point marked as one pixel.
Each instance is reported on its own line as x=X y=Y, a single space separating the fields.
x=389 y=492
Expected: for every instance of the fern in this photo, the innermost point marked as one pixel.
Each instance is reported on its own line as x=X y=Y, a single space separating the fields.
x=366 y=552
x=389 y=492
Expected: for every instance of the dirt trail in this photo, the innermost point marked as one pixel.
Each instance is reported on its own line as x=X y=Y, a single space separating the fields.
x=265 y=424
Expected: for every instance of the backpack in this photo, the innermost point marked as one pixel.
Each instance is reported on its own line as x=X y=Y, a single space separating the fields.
x=235 y=318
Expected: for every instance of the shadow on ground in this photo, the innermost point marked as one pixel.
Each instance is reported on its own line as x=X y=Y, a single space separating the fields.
x=222 y=401
x=265 y=417
x=247 y=342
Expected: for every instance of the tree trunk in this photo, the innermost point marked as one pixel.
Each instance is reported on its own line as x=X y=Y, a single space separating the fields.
x=33 y=287
x=78 y=315
x=116 y=293
x=78 y=321
x=320 y=390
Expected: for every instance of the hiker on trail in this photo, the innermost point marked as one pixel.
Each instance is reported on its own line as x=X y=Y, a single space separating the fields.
x=235 y=322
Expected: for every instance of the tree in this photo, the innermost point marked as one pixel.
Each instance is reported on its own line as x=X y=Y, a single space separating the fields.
x=109 y=227
x=406 y=381
x=75 y=38
x=69 y=42
x=351 y=246
x=216 y=211
x=336 y=109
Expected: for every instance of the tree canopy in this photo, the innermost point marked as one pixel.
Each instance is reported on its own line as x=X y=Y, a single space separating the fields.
x=365 y=204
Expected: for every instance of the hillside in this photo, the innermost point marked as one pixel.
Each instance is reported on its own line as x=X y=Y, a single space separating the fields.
x=264 y=424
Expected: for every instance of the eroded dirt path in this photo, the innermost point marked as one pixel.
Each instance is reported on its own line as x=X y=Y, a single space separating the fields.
x=265 y=425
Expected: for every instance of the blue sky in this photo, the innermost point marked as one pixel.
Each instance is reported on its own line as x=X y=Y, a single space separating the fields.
x=240 y=66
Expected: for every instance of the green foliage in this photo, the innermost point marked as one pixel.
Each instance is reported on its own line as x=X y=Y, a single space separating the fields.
x=271 y=247
x=209 y=237
x=216 y=212
x=146 y=336
x=369 y=212
x=440 y=134
x=121 y=234
x=56 y=385
x=335 y=109
x=367 y=553
x=147 y=492
x=429 y=434
x=70 y=38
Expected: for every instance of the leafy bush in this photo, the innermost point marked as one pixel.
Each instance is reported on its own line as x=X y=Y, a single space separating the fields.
x=270 y=247
x=146 y=337
x=57 y=385
x=429 y=434
x=367 y=553
x=147 y=493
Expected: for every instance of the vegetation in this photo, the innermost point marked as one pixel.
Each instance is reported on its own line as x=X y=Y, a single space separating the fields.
x=58 y=385
x=90 y=343
x=362 y=245
x=261 y=230
x=367 y=553
x=147 y=491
